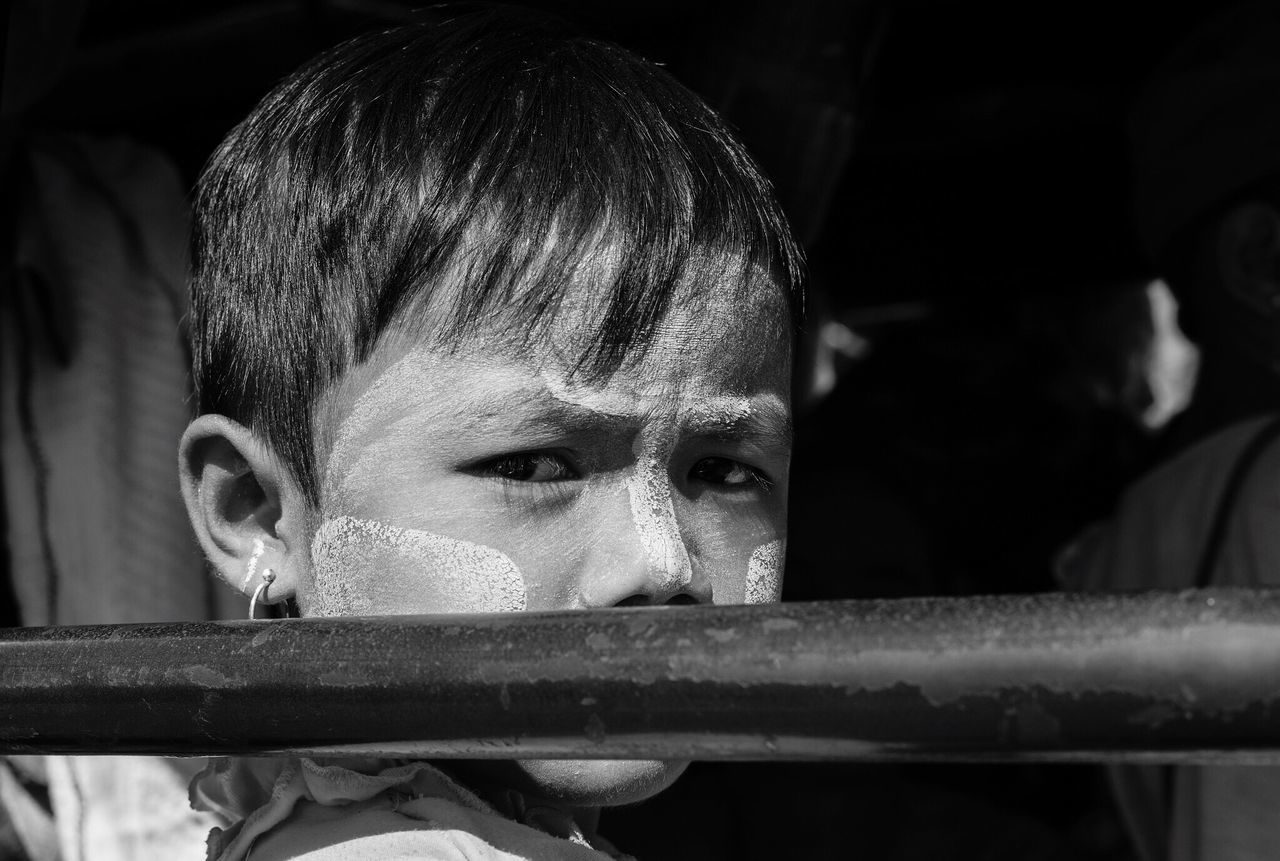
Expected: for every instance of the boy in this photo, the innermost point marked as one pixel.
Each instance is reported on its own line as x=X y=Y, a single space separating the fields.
x=487 y=317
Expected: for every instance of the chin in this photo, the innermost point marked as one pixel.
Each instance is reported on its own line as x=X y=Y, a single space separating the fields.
x=596 y=782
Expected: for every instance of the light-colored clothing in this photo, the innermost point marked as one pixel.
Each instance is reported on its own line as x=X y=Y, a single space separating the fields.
x=1156 y=541
x=290 y=807
x=93 y=402
x=119 y=808
x=93 y=390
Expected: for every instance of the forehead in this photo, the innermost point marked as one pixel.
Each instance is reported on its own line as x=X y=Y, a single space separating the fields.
x=593 y=293
x=727 y=332
x=724 y=321
x=556 y=313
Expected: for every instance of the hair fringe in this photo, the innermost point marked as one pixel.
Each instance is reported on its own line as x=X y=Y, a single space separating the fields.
x=361 y=182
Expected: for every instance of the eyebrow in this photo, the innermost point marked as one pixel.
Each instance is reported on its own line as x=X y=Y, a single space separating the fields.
x=549 y=411
x=531 y=409
x=763 y=418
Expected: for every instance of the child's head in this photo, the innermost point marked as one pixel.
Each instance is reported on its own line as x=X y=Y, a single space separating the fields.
x=489 y=316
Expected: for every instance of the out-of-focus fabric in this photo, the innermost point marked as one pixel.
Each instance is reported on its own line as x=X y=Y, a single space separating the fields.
x=29 y=831
x=1157 y=540
x=93 y=390
x=125 y=807
x=1163 y=523
x=93 y=401
x=374 y=809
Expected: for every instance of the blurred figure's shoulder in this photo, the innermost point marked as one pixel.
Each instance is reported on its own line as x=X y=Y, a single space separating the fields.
x=1164 y=525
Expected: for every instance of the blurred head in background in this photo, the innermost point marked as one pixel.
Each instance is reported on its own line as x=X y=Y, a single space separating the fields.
x=1205 y=132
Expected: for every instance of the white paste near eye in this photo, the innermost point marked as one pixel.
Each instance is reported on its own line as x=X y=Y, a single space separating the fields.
x=362 y=567
x=586 y=396
x=403 y=387
x=716 y=412
x=649 y=491
x=654 y=515
x=649 y=487
x=764 y=574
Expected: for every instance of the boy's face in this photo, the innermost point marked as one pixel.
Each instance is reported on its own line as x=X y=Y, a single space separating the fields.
x=488 y=479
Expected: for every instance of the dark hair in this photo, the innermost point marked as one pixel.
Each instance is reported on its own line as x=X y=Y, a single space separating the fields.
x=1210 y=313
x=351 y=190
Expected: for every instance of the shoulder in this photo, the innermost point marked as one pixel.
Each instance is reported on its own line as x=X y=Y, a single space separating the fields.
x=318 y=833
x=1163 y=520
x=1220 y=449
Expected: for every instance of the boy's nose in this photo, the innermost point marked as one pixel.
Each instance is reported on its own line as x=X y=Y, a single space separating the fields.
x=639 y=555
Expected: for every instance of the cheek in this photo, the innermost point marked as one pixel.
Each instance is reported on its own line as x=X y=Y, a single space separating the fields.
x=365 y=568
x=746 y=573
x=764 y=573
x=740 y=550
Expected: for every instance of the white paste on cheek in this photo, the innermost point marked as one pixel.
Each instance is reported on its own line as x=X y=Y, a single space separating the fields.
x=764 y=574
x=362 y=567
x=654 y=515
x=399 y=394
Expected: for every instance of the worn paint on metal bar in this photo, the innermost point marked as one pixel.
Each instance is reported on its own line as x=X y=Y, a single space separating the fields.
x=1192 y=676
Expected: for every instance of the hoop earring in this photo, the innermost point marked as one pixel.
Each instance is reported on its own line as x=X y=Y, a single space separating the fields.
x=260 y=594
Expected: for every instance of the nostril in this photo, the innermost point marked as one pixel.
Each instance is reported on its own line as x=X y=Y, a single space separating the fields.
x=635 y=601
x=647 y=600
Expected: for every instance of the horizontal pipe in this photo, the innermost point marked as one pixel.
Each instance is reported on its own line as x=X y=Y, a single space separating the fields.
x=1174 y=677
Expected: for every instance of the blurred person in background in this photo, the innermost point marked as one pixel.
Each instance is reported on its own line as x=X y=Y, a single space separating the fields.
x=1206 y=146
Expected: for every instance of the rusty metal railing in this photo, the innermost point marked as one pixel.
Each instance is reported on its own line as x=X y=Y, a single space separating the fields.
x=1187 y=677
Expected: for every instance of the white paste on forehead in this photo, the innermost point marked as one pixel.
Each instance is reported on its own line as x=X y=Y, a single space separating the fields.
x=693 y=408
x=654 y=514
x=764 y=574
x=399 y=381
x=362 y=567
x=585 y=396
x=717 y=411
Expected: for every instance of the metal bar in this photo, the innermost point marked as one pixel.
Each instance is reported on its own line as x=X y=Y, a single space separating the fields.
x=1186 y=677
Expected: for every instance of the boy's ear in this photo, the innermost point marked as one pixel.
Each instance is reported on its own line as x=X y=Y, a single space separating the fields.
x=238 y=493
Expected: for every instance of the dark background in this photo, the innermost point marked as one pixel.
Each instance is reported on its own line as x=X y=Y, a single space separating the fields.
x=958 y=172
x=939 y=149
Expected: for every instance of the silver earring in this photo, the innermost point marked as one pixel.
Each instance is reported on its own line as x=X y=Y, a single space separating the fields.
x=260 y=594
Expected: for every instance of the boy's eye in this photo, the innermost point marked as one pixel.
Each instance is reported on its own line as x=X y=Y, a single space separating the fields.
x=530 y=466
x=722 y=470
